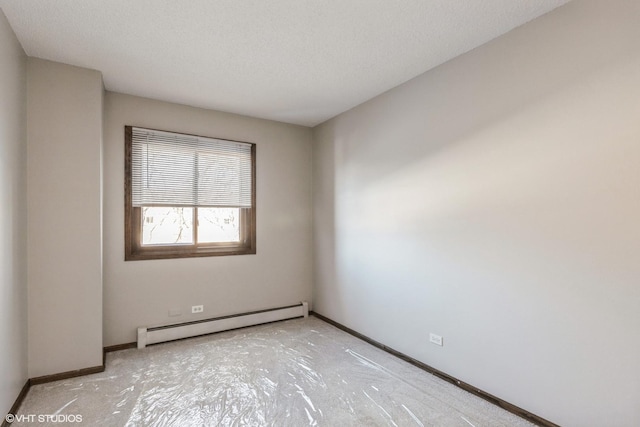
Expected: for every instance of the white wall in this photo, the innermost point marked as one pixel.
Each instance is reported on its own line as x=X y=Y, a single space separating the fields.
x=13 y=210
x=495 y=200
x=64 y=133
x=141 y=293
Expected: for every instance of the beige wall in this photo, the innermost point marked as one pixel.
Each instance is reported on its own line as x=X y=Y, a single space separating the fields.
x=64 y=133
x=495 y=200
x=141 y=293
x=13 y=210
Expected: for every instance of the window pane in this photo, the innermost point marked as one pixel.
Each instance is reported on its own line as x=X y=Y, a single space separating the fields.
x=167 y=225
x=216 y=225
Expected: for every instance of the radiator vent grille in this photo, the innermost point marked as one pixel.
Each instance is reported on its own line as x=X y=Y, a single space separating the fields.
x=158 y=334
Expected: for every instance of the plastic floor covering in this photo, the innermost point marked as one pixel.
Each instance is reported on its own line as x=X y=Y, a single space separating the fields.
x=301 y=372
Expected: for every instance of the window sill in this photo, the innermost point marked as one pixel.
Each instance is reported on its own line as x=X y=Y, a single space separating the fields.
x=188 y=252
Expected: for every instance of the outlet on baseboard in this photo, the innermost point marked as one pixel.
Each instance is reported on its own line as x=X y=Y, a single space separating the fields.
x=435 y=339
x=197 y=308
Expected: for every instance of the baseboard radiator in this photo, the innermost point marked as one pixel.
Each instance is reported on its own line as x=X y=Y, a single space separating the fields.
x=158 y=334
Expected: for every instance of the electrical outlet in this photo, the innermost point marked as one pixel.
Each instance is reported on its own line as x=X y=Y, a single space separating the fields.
x=197 y=308
x=175 y=312
x=435 y=339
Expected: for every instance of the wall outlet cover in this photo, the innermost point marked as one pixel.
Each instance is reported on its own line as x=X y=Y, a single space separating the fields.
x=435 y=339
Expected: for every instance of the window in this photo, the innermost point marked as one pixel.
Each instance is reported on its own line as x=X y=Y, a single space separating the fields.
x=188 y=196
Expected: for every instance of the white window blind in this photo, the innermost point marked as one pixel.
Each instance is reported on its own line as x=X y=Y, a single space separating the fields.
x=171 y=169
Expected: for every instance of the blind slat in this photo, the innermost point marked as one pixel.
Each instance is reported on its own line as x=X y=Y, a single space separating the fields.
x=184 y=170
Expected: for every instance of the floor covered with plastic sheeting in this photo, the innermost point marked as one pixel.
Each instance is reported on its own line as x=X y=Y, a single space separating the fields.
x=293 y=373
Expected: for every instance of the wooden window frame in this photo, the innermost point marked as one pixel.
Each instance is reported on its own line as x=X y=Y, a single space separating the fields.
x=133 y=248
